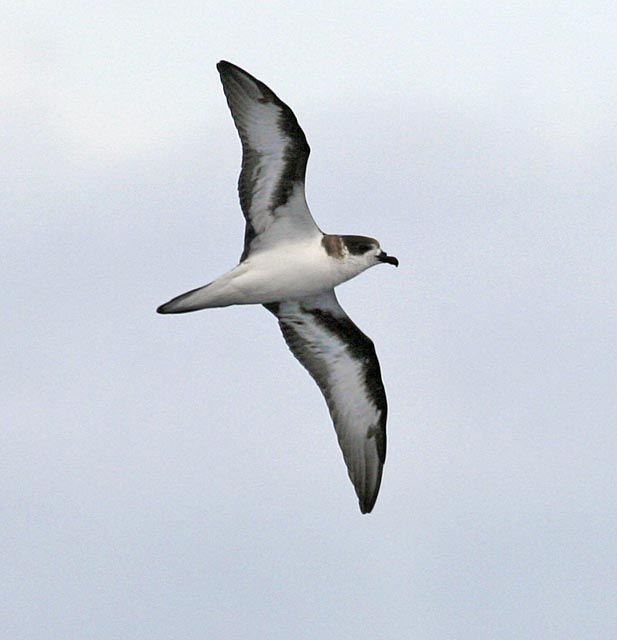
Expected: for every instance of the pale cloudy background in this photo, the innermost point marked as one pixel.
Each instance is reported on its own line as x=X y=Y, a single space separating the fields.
x=178 y=477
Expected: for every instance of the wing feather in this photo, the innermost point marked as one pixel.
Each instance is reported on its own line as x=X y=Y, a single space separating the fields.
x=342 y=361
x=274 y=157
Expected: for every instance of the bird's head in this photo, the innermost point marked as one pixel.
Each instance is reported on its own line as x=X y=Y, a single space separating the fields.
x=366 y=250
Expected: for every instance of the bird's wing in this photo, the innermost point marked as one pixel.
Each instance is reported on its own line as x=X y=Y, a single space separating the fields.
x=343 y=362
x=274 y=157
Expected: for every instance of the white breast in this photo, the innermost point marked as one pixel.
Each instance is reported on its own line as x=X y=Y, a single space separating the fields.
x=290 y=272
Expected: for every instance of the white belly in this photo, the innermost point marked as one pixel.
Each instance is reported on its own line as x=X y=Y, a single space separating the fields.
x=292 y=273
x=286 y=275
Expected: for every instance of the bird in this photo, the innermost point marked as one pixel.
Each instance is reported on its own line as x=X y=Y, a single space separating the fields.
x=291 y=267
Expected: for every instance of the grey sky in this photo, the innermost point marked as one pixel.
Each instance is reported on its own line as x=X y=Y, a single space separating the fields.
x=178 y=477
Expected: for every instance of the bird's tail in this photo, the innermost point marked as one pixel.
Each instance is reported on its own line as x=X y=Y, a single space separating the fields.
x=218 y=293
x=189 y=301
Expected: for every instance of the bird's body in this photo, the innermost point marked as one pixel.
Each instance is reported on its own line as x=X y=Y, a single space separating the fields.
x=289 y=271
x=291 y=267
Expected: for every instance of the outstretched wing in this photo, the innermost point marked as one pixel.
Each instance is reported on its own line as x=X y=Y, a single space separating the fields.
x=274 y=157
x=343 y=362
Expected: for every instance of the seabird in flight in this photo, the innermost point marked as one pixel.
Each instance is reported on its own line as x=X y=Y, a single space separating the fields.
x=291 y=268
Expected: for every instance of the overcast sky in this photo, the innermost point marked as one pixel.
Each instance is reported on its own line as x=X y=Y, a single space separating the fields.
x=179 y=477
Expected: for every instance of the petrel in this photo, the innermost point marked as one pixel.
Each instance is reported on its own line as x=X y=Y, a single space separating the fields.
x=291 y=268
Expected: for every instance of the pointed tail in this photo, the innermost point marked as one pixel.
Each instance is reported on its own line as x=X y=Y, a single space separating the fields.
x=189 y=301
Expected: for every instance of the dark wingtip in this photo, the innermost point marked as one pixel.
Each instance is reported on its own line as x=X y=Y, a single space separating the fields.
x=223 y=66
x=367 y=502
x=367 y=506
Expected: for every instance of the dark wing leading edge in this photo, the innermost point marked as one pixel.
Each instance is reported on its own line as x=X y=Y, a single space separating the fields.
x=274 y=157
x=343 y=362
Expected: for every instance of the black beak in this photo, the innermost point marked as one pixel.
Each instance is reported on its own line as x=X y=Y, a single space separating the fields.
x=384 y=257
